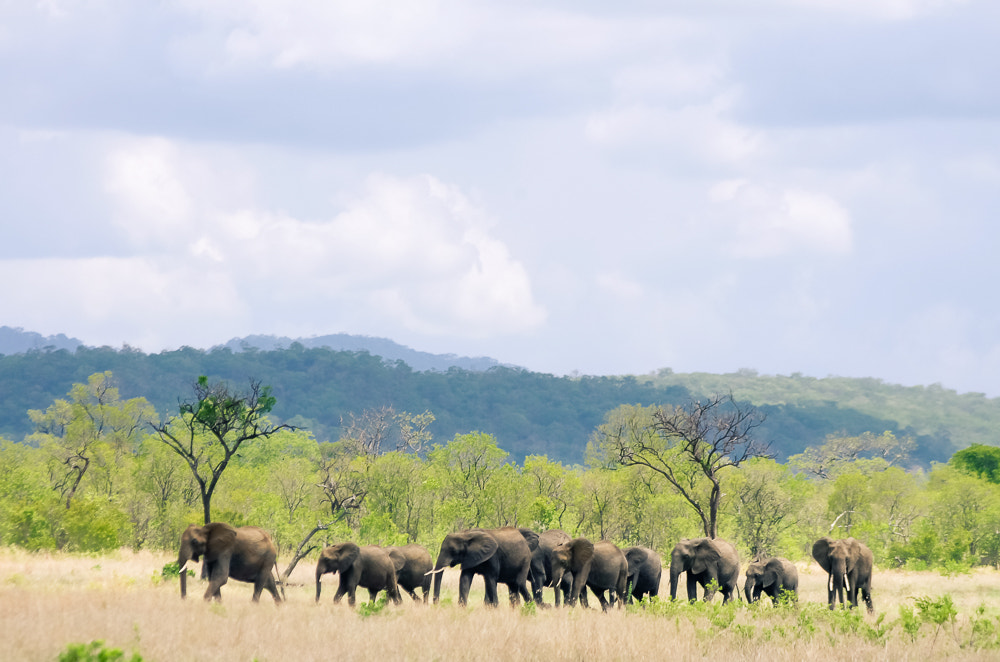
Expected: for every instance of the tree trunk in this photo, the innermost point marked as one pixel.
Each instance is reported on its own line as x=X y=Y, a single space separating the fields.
x=299 y=553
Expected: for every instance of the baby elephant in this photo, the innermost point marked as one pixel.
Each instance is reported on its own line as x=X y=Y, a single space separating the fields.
x=771 y=576
x=368 y=567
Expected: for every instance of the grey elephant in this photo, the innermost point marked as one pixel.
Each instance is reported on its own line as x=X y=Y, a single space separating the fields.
x=500 y=555
x=705 y=560
x=846 y=561
x=541 y=567
x=246 y=554
x=412 y=563
x=368 y=567
x=644 y=572
x=772 y=576
x=598 y=566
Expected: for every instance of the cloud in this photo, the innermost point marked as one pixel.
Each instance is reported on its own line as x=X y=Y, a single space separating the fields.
x=769 y=222
x=701 y=132
x=405 y=250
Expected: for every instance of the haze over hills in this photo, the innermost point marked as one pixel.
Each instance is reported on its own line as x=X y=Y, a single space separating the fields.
x=387 y=349
x=320 y=381
x=17 y=341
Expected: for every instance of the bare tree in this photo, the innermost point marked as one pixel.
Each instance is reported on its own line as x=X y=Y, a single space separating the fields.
x=690 y=446
x=209 y=431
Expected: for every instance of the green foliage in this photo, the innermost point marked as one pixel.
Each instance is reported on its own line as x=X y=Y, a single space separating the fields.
x=979 y=460
x=95 y=651
x=366 y=609
x=172 y=570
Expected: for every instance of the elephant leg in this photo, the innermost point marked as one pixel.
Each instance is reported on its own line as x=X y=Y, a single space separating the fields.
x=341 y=590
x=413 y=594
x=464 y=584
x=583 y=598
x=218 y=575
x=866 y=594
x=692 y=586
x=604 y=602
x=492 y=597
x=352 y=591
x=372 y=595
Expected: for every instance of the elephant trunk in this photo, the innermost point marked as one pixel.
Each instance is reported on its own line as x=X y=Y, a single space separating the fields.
x=182 y=558
x=319 y=575
x=675 y=573
x=443 y=561
x=748 y=589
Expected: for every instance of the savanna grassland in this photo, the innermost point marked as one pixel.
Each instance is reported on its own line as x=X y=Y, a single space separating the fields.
x=50 y=601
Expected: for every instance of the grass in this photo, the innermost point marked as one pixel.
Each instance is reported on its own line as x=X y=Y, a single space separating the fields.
x=49 y=602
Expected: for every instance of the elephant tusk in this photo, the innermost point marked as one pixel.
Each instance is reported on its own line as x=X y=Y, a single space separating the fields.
x=434 y=572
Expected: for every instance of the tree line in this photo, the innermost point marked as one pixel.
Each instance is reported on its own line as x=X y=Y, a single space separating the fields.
x=531 y=413
x=101 y=471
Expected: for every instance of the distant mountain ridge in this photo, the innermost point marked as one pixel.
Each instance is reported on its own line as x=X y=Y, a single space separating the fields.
x=15 y=340
x=18 y=341
x=387 y=349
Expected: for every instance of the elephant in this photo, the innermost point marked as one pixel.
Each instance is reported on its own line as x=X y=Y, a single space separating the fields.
x=368 y=567
x=846 y=561
x=412 y=563
x=246 y=554
x=705 y=560
x=500 y=555
x=644 y=571
x=598 y=566
x=541 y=566
x=772 y=576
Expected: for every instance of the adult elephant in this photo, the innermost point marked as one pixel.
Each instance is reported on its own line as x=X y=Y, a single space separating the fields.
x=644 y=572
x=772 y=576
x=846 y=561
x=412 y=564
x=705 y=560
x=246 y=554
x=541 y=566
x=599 y=566
x=368 y=567
x=499 y=555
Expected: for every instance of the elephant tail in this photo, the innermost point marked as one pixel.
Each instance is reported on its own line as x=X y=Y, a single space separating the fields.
x=278 y=581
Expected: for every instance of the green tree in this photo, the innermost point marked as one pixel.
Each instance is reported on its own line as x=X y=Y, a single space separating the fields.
x=209 y=431
x=978 y=460
x=466 y=466
x=693 y=447
x=90 y=435
x=767 y=502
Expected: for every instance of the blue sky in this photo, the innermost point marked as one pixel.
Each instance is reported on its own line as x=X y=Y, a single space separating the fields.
x=805 y=186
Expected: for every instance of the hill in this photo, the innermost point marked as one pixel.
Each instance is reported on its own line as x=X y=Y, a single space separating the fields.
x=529 y=413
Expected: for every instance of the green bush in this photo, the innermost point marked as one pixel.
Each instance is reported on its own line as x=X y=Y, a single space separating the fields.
x=95 y=652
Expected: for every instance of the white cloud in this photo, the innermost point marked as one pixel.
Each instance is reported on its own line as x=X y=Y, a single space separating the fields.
x=769 y=222
x=412 y=250
x=700 y=132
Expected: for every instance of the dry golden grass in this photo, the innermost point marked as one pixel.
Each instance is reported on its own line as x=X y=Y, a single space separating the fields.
x=49 y=601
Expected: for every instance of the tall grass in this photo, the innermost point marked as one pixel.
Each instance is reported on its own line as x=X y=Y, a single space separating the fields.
x=50 y=601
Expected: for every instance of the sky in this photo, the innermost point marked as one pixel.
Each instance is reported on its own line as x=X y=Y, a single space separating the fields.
x=787 y=186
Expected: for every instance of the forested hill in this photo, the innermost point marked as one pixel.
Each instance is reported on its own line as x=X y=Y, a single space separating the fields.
x=529 y=413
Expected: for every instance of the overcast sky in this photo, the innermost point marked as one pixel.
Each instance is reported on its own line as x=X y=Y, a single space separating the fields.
x=809 y=186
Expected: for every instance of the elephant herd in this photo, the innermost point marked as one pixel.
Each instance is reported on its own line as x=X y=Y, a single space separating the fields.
x=516 y=557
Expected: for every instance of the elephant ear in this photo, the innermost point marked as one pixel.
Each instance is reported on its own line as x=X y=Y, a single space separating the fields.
x=582 y=551
x=398 y=559
x=771 y=572
x=821 y=552
x=349 y=553
x=480 y=547
x=219 y=539
x=531 y=537
x=635 y=558
x=705 y=554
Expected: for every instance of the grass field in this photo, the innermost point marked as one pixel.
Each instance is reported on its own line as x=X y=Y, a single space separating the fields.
x=48 y=602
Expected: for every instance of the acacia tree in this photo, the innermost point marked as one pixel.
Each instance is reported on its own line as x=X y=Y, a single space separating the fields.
x=91 y=432
x=690 y=446
x=208 y=431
